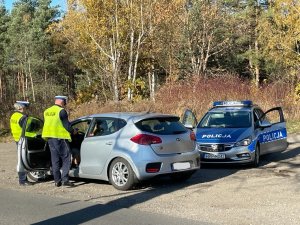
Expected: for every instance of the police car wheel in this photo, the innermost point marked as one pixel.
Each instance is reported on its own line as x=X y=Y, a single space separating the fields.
x=257 y=157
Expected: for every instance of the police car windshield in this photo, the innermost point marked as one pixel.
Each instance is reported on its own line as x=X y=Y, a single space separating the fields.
x=229 y=119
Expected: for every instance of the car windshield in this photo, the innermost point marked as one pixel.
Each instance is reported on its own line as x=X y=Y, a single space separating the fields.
x=232 y=119
x=164 y=126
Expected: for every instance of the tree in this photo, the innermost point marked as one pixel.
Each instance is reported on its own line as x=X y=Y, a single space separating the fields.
x=280 y=35
x=31 y=57
x=3 y=42
x=94 y=29
x=116 y=41
x=207 y=33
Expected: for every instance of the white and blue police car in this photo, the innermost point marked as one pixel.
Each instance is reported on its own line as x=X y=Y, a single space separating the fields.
x=238 y=132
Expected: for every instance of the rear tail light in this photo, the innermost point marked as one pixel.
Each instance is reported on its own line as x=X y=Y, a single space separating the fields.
x=153 y=167
x=192 y=136
x=146 y=139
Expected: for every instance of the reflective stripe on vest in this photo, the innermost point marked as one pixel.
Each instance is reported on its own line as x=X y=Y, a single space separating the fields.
x=15 y=127
x=53 y=127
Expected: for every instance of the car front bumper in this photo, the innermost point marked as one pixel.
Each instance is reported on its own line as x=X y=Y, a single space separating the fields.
x=239 y=155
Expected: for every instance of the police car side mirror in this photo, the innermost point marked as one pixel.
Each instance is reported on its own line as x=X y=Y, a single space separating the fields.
x=264 y=124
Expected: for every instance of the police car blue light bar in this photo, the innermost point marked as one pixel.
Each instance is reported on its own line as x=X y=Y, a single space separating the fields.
x=244 y=103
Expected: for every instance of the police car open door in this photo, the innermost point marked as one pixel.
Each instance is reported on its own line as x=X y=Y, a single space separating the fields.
x=189 y=119
x=272 y=131
x=35 y=153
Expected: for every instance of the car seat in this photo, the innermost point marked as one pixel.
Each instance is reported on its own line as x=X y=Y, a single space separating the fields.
x=101 y=129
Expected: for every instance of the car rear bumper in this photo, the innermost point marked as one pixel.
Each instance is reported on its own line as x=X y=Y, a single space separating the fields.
x=169 y=164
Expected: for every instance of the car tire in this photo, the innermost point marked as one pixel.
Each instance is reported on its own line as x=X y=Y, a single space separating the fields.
x=38 y=176
x=182 y=176
x=256 y=160
x=121 y=175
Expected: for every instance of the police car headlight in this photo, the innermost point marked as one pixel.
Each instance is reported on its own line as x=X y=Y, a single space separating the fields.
x=244 y=142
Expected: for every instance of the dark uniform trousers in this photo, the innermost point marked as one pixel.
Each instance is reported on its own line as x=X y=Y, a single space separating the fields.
x=60 y=158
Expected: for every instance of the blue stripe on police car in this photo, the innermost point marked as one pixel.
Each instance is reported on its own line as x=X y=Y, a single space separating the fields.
x=220 y=135
x=272 y=136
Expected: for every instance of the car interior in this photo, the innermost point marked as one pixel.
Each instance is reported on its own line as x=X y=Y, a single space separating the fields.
x=39 y=155
x=92 y=128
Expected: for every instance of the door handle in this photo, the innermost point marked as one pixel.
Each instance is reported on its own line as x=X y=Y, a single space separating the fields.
x=109 y=143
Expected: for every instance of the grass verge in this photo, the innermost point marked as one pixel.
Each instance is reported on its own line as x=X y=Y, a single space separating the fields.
x=293 y=127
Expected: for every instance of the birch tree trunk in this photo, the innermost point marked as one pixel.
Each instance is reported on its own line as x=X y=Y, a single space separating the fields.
x=115 y=52
x=257 y=72
x=129 y=76
x=31 y=80
x=152 y=81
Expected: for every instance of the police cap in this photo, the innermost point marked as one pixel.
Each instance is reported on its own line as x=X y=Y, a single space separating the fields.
x=21 y=104
x=65 y=98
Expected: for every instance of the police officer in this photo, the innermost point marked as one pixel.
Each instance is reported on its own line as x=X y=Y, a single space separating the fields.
x=56 y=131
x=17 y=120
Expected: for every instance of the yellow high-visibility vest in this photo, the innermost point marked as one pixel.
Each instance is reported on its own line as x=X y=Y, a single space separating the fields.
x=53 y=126
x=15 y=127
x=29 y=132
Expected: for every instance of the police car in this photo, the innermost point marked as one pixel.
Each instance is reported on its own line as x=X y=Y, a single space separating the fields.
x=238 y=132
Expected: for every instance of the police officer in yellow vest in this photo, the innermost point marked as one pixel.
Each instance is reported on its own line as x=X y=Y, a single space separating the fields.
x=56 y=131
x=17 y=120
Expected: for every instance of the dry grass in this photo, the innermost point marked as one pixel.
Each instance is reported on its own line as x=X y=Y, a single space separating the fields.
x=199 y=94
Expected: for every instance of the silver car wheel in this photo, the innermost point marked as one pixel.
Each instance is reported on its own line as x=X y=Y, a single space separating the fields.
x=120 y=174
x=38 y=175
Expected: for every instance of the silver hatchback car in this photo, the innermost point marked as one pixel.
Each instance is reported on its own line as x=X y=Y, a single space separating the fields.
x=122 y=148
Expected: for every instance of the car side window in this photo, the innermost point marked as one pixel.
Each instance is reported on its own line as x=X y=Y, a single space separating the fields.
x=165 y=126
x=105 y=126
x=257 y=114
x=273 y=116
x=81 y=126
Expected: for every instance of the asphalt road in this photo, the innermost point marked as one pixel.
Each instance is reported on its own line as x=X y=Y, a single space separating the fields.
x=36 y=209
x=227 y=195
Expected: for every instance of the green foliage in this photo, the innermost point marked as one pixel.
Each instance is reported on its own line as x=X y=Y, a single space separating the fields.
x=280 y=35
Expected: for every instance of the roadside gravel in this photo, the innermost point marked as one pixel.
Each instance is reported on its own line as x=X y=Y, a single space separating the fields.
x=232 y=195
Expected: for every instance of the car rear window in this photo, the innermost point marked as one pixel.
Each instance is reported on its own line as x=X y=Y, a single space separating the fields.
x=164 y=125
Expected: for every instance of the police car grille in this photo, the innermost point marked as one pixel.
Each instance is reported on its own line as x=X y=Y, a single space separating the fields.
x=215 y=148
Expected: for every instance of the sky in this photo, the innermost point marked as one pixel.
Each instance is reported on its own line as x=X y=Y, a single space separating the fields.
x=62 y=3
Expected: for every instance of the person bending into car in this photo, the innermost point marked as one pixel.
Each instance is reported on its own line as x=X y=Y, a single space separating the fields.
x=17 y=121
x=57 y=131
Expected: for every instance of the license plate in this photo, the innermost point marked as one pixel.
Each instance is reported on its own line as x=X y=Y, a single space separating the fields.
x=214 y=156
x=181 y=166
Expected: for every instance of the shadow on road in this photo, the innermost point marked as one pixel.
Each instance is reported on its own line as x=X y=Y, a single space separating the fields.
x=286 y=157
x=145 y=191
x=158 y=187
